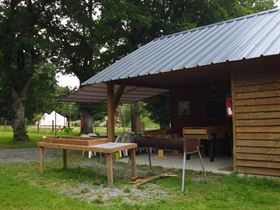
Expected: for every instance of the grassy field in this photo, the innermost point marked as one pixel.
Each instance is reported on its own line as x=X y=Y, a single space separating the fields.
x=84 y=187
x=23 y=187
x=6 y=137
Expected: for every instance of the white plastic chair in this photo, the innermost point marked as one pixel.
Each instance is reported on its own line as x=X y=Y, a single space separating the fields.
x=123 y=138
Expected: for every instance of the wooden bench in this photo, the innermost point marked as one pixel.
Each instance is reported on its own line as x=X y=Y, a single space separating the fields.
x=107 y=148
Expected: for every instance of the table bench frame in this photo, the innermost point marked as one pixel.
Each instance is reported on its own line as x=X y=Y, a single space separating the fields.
x=131 y=147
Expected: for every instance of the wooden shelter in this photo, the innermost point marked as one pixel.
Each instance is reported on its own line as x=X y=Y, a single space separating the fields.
x=200 y=68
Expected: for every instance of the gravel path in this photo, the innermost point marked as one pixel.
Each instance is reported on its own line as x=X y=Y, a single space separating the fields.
x=25 y=155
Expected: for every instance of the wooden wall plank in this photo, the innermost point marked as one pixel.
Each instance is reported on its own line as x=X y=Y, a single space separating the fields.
x=259 y=171
x=256 y=102
x=258 y=143
x=258 y=88
x=261 y=164
x=262 y=108
x=264 y=157
x=258 y=150
x=260 y=94
x=260 y=122
x=259 y=129
x=258 y=115
x=257 y=80
x=259 y=136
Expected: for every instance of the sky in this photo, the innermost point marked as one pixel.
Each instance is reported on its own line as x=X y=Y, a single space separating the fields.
x=68 y=80
x=72 y=81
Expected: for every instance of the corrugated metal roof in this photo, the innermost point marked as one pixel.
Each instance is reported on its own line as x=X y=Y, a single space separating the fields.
x=97 y=93
x=245 y=37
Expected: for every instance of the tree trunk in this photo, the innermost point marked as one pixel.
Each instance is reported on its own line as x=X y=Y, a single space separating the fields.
x=135 y=118
x=18 y=124
x=87 y=123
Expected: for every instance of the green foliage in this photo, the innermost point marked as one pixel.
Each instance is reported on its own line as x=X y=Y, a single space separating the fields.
x=159 y=109
x=125 y=114
x=23 y=47
x=67 y=131
x=98 y=111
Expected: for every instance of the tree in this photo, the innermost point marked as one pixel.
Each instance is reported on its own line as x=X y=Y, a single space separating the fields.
x=79 y=48
x=41 y=93
x=23 y=46
x=159 y=109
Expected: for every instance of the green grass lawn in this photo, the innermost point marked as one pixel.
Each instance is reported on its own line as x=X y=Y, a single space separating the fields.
x=23 y=187
x=6 y=137
x=6 y=140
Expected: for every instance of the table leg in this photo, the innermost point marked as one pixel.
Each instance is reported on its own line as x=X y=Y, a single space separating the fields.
x=109 y=158
x=132 y=154
x=64 y=153
x=42 y=158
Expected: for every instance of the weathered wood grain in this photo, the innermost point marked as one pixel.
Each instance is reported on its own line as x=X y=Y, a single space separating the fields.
x=259 y=171
x=262 y=157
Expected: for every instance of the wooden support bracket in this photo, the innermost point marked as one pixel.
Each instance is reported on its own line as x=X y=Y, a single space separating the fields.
x=118 y=94
x=112 y=102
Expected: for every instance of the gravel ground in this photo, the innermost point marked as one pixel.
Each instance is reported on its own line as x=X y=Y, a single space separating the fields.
x=122 y=194
x=25 y=155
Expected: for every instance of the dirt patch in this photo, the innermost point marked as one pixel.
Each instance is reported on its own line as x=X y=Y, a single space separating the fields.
x=103 y=195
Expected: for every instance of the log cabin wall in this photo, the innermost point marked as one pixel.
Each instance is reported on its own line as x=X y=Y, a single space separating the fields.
x=256 y=124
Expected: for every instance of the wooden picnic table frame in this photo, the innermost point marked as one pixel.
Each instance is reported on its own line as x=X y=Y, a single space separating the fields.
x=107 y=148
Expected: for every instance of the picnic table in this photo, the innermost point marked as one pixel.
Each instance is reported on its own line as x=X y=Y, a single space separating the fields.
x=108 y=149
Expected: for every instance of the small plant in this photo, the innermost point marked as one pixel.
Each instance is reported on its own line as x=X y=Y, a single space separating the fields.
x=67 y=130
x=127 y=190
x=98 y=199
x=85 y=190
x=140 y=187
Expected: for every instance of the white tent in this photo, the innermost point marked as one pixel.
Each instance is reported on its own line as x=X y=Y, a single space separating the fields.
x=52 y=119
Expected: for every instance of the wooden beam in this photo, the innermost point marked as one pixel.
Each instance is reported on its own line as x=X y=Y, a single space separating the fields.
x=110 y=112
x=118 y=94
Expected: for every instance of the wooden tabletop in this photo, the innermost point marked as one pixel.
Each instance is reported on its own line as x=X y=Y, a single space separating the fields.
x=110 y=147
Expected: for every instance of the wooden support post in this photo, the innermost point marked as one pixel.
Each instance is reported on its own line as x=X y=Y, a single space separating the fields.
x=64 y=152
x=133 y=162
x=109 y=158
x=110 y=112
x=42 y=158
x=233 y=122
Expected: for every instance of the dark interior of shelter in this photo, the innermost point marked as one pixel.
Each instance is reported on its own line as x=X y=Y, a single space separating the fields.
x=204 y=106
x=201 y=106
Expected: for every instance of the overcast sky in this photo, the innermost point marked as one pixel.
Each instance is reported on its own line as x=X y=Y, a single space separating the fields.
x=73 y=81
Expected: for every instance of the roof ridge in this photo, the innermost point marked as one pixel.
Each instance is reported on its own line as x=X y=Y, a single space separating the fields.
x=219 y=23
